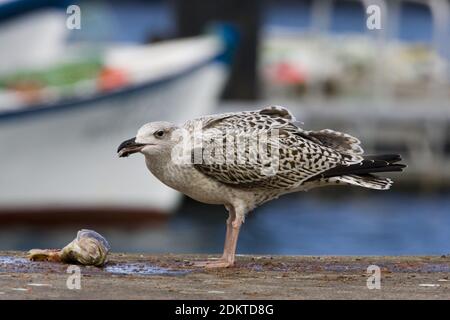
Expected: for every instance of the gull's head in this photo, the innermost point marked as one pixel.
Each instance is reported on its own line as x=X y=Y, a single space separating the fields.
x=152 y=138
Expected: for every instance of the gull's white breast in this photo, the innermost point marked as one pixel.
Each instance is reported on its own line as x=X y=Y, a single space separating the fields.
x=191 y=182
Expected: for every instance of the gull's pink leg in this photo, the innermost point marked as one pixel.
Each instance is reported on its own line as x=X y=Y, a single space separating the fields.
x=230 y=247
x=231 y=217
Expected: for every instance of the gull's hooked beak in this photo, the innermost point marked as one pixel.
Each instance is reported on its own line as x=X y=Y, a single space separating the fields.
x=129 y=147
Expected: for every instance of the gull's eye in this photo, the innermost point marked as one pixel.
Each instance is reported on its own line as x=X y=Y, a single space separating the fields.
x=159 y=133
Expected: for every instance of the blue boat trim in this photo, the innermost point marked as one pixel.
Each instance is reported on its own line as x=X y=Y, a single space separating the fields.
x=12 y=9
x=44 y=109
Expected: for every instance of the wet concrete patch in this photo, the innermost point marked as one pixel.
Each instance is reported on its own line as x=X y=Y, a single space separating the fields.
x=8 y=260
x=13 y=264
x=142 y=269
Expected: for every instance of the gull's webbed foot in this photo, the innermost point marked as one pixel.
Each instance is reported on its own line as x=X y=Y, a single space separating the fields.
x=218 y=263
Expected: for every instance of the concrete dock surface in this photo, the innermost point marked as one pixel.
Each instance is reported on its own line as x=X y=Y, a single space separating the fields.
x=170 y=276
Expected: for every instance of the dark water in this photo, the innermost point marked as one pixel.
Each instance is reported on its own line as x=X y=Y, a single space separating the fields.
x=373 y=223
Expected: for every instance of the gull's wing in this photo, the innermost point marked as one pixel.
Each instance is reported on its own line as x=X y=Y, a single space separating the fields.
x=298 y=154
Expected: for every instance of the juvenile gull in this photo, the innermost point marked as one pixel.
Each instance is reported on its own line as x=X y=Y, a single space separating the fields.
x=303 y=160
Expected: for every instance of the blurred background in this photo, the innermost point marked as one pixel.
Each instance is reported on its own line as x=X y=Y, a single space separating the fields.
x=75 y=81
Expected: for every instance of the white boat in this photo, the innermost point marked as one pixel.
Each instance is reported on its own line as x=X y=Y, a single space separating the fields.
x=62 y=156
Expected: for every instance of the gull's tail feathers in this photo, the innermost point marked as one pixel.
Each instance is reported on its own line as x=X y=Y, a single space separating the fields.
x=369 y=164
x=366 y=181
x=361 y=174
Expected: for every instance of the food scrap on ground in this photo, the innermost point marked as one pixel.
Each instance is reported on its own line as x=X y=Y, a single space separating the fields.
x=88 y=248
